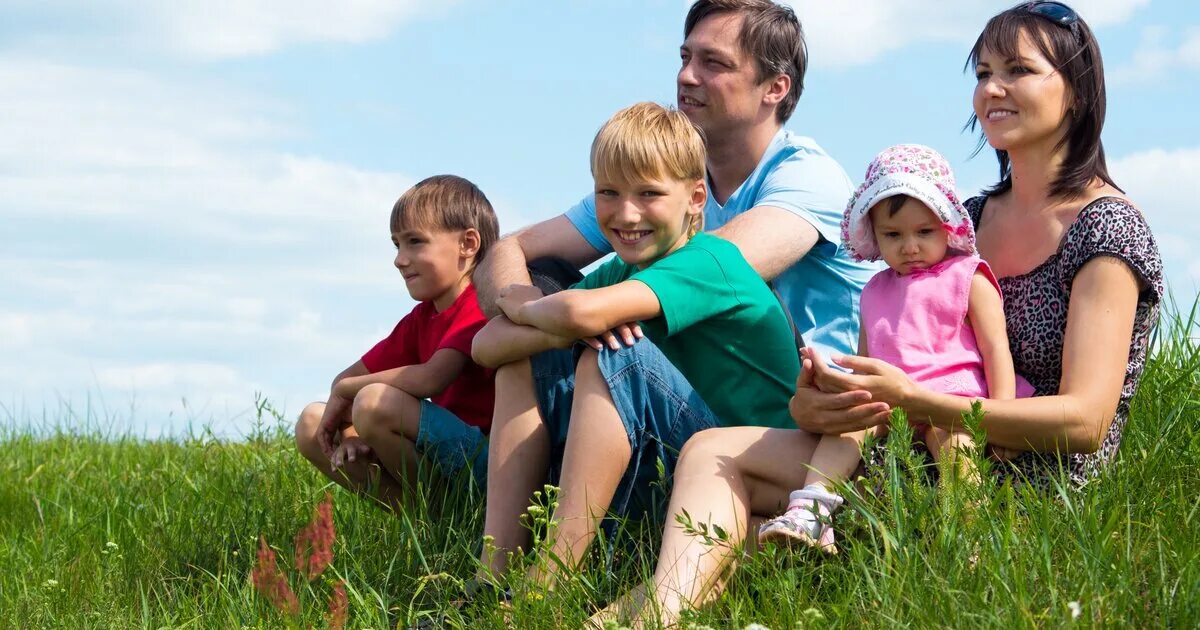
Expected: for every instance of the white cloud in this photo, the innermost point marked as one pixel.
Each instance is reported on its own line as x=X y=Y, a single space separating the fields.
x=215 y=29
x=1164 y=185
x=204 y=376
x=853 y=33
x=158 y=246
x=1156 y=57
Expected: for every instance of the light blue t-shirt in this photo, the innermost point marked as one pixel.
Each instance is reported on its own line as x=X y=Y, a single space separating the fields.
x=821 y=290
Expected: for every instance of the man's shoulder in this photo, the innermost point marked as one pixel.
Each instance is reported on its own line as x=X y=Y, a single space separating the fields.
x=799 y=155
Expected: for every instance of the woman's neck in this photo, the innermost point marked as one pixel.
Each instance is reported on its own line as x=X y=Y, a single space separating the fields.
x=1033 y=173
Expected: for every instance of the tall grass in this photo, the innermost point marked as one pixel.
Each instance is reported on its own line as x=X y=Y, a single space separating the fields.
x=104 y=531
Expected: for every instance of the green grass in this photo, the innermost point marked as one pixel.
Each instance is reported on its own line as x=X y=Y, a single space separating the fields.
x=101 y=531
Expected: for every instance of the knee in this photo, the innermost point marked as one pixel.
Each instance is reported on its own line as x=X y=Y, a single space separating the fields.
x=703 y=446
x=377 y=407
x=514 y=377
x=588 y=367
x=368 y=405
x=306 y=431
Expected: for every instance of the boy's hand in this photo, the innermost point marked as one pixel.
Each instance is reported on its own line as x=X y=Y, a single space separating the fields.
x=513 y=297
x=332 y=423
x=349 y=451
x=626 y=333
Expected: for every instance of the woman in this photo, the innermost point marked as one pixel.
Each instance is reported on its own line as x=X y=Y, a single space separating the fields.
x=1076 y=262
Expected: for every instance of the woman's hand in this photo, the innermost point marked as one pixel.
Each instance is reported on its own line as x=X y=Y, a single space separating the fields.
x=1001 y=454
x=845 y=410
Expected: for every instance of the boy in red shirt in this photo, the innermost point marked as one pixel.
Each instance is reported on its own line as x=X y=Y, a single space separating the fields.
x=416 y=394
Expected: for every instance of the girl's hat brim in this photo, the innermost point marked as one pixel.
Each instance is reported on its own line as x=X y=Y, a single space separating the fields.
x=858 y=235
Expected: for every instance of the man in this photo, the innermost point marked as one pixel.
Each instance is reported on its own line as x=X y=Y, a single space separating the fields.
x=775 y=195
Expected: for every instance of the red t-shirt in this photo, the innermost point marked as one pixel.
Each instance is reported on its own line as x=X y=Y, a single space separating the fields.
x=423 y=332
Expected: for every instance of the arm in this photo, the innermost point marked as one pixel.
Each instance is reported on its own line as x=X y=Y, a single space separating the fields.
x=501 y=342
x=1103 y=304
x=337 y=408
x=586 y=313
x=420 y=380
x=985 y=312
x=771 y=239
x=506 y=263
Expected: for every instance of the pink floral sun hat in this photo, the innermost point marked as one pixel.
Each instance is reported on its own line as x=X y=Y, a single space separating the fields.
x=906 y=169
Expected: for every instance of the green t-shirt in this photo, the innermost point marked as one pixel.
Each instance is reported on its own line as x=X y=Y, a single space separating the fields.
x=721 y=326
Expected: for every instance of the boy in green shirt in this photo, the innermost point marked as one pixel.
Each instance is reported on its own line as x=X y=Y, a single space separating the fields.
x=730 y=355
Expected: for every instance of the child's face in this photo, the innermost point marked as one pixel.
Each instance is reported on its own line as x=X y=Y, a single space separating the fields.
x=647 y=220
x=434 y=262
x=913 y=238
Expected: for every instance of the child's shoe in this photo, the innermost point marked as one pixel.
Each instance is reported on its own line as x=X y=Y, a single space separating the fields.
x=806 y=520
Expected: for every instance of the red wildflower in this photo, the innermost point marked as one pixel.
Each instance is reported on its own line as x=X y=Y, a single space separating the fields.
x=338 y=605
x=271 y=583
x=314 y=543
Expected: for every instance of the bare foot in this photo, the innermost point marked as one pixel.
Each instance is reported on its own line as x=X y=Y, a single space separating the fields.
x=621 y=610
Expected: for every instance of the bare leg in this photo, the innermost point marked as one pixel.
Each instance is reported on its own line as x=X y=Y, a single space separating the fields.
x=359 y=476
x=944 y=446
x=596 y=457
x=836 y=458
x=518 y=460
x=723 y=477
x=387 y=419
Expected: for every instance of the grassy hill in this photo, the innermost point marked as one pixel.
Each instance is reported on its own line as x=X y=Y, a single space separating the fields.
x=104 y=532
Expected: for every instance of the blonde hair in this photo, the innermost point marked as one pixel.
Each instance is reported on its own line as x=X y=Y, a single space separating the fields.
x=648 y=141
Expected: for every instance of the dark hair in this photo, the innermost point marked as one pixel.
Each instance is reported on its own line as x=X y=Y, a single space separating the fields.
x=895 y=203
x=771 y=34
x=447 y=202
x=1075 y=54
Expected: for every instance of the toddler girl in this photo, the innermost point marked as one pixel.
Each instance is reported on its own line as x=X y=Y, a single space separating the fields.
x=936 y=313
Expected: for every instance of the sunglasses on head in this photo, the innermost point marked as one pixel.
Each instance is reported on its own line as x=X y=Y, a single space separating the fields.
x=1056 y=12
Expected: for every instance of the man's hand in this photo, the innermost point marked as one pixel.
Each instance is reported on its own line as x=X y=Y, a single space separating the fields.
x=349 y=451
x=513 y=297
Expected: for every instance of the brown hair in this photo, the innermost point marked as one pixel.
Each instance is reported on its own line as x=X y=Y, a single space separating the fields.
x=1075 y=55
x=771 y=34
x=648 y=141
x=447 y=202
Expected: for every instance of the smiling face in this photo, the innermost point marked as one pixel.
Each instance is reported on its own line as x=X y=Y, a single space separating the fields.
x=435 y=264
x=647 y=220
x=717 y=85
x=911 y=238
x=1021 y=102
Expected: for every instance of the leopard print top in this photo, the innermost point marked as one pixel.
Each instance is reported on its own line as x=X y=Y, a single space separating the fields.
x=1035 y=308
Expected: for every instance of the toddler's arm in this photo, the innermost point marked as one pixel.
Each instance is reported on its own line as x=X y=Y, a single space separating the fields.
x=501 y=342
x=985 y=311
x=579 y=313
x=420 y=380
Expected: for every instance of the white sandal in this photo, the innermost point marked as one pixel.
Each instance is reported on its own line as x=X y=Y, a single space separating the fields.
x=806 y=520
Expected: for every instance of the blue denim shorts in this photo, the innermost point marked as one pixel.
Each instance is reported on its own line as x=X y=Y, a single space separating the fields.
x=451 y=443
x=658 y=407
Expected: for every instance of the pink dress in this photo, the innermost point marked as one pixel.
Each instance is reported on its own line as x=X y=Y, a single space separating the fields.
x=918 y=323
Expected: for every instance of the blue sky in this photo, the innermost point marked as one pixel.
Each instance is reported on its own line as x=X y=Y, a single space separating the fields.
x=194 y=194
